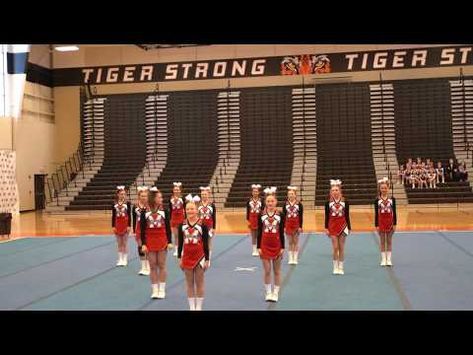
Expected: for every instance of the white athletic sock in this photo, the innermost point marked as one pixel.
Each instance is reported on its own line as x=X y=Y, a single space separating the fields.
x=162 y=286
x=155 y=287
x=191 y=303
x=254 y=248
x=148 y=268
x=335 y=264
x=267 y=287
x=120 y=256
x=198 y=303
x=296 y=255
x=383 y=256
x=388 y=255
x=340 y=265
x=276 y=289
x=143 y=265
x=125 y=257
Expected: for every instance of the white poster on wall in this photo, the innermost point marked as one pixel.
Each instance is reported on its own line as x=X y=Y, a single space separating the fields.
x=9 y=201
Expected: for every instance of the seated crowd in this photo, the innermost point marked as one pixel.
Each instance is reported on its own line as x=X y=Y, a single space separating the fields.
x=421 y=173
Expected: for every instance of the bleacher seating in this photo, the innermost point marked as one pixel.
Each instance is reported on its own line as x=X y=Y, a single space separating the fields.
x=266 y=143
x=192 y=141
x=344 y=143
x=124 y=152
x=424 y=129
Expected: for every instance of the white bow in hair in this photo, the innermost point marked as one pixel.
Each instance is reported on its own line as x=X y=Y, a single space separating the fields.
x=203 y=188
x=336 y=182
x=292 y=187
x=384 y=179
x=154 y=189
x=256 y=186
x=121 y=187
x=142 y=188
x=178 y=184
x=192 y=198
x=270 y=190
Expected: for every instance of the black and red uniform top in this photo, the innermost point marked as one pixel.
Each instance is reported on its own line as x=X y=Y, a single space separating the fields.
x=176 y=206
x=207 y=215
x=294 y=215
x=254 y=208
x=270 y=237
x=193 y=244
x=337 y=217
x=136 y=219
x=121 y=217
x=385 y=216
x=155 y=229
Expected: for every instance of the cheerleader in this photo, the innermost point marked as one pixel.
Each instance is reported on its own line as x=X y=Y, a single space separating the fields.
x=432 y=178
x=140 y=206
x=207 y=214
x=270 y=241
x=254 y=207
x=424 y=176
x=385 y=220
x=176 y=206
x=415 y=179
x=337 y=224
x=121 y=224
x=407 y=175
x=193 y=253
x=440 y=173
x=156 y=240
x=293 y=213
x=401 y=174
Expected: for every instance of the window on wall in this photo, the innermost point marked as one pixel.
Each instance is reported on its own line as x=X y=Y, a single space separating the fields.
x=38 y=102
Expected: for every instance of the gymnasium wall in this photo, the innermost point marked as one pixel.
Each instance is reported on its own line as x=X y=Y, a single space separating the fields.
x=34 y=133
x=63 y=131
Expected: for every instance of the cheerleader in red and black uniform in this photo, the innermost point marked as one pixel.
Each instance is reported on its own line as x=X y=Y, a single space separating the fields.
x=156 y=239
x=140 y=206
x=193 y=253
x=207 y=214
x=176 y=206
x=254 y=207
x=385 y=220
x=121 y=224
x=337 y=224
x=293 y=211
x=270 y=241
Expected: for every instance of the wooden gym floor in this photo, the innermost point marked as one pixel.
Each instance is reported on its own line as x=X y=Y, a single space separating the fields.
x=410 y=218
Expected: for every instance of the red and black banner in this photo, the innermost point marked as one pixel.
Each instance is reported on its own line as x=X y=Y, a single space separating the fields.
x=317 y=63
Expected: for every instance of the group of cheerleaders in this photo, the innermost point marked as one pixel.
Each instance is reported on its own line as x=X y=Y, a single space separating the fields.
x=187 y=227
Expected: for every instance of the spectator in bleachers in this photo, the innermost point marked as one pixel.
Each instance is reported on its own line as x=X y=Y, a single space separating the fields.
x=407 y=174
x=440 y=173
x=462 y=172
x=432 y=178
x=409 y=163
x=414 y=178
x=451 y=170
x=423 y=175
x=419 y=160
x=401 y=174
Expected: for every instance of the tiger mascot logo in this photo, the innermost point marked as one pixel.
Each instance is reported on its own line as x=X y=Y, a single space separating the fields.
x=305 y=64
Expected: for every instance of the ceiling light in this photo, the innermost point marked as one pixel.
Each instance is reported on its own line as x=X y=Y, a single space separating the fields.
x=66 y=48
